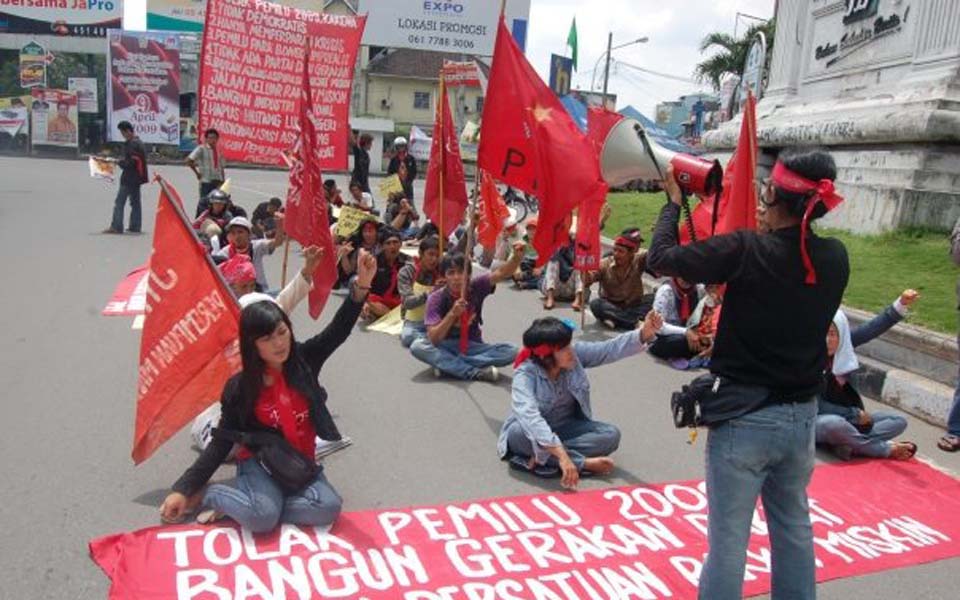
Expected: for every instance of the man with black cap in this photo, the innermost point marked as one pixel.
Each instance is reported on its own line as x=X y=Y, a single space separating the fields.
x=622 y=302
x=384 y=294
x=783 y=289
x=133 y=174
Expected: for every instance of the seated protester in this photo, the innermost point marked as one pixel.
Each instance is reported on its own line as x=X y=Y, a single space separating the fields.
x=238 y=236
x=332 y=193
x=242 y=278
x=359 y=198
x=217 y=213
x=561 y=281
x=415 y=282
x=264 y=225
x=366 y=238
x=676 y=301
x=527 y=277
x=843 y=424
x=447 y=313
x=622 y=302
x=401 y=215
x=503 y=249
x=384 y=295
x=276 y=391
x=550 y=430
x=706 y=320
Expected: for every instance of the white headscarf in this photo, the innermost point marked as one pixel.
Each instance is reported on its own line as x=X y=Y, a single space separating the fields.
x=844 y=359
x=254 y=297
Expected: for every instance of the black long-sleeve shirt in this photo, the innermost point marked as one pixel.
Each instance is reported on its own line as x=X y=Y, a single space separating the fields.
x=773 y=326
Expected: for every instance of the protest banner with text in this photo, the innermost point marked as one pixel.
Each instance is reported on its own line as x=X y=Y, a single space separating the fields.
x=646 y=541
x=250 y=78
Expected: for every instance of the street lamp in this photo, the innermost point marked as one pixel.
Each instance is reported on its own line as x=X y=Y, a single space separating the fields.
x=610 y=48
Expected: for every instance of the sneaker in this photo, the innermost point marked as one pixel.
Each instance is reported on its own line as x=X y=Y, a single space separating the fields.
x=205 y=517
x=112 y=230
x=437 y=373
x=489 y=374
x=133 y=231
x=610 y=324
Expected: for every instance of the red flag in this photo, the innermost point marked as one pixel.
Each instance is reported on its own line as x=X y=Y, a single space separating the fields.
x=445 y=171
x=189 y=346
x=529 y=141
x=493 y=211
x=702 y=215
x=306 y=216
x=738 y=204
x=600 y=121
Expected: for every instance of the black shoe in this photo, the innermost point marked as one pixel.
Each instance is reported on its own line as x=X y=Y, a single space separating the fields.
x=112 y=230
x=133 y=231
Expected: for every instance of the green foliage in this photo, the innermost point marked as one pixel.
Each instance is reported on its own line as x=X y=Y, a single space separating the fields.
x=881 y=266
x=731 y=54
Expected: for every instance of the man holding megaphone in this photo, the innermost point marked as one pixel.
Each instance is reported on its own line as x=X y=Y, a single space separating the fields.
x=783 y=288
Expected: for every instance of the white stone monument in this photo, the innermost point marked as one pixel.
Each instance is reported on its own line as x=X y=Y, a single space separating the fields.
x=878 y=83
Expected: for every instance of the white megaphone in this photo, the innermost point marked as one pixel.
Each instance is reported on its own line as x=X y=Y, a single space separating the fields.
x=629 y=154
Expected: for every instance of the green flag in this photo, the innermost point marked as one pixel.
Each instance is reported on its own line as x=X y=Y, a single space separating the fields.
x=572 y=42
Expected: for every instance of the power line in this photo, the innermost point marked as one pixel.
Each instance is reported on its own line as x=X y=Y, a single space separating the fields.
x=658 y=73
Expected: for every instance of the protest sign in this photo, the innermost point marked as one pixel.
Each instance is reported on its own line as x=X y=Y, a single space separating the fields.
x=189 y=346
x=86 y=89
x=75 y=18
x=420 y=144
x=144 y=72
x=33 y=66
x=350 y=219
x=462 y=74
x=14 y=115
x=644 y=541
x=129 y=299
x=54 y=117
x=391 y=185
x=250 y=78
x=101 y=168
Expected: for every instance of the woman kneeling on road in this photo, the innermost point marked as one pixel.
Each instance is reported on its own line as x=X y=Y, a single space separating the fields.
x=550 y=430
x=275 y=393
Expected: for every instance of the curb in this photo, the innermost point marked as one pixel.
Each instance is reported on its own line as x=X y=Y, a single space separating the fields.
x=922 y=384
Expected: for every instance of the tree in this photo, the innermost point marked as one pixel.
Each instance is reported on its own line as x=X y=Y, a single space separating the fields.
x=732 y=53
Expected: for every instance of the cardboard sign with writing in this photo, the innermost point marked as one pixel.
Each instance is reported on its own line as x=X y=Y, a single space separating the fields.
x=350 y=219
x=391 y=185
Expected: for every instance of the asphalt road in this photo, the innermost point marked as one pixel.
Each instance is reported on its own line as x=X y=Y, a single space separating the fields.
x=68 y=404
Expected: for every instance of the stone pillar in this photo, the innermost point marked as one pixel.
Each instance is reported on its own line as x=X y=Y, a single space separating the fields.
x=788 y=42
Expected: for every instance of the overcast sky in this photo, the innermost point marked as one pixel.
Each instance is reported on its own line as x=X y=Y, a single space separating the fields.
x=674 y=29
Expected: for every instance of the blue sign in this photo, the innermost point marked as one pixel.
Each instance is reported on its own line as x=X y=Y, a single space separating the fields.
x=561 y=74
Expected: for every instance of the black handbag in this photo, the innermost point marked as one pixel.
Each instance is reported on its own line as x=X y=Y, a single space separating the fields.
x=711 y=399
x=288 y=467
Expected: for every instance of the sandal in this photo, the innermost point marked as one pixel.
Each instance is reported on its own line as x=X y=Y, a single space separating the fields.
x=949 y=443
x=910 y=452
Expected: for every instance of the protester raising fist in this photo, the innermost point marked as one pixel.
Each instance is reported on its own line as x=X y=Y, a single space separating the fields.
x=366 y=269
x=908 y=297
x=311 y=260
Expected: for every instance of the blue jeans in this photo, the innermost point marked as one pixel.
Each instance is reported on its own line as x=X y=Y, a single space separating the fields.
x=411 y=331
x=767 y=453
x=953 y=421
x=581 y=438
x=132 y=192
x=834 y=430
x=257 y=503
x=448 y=359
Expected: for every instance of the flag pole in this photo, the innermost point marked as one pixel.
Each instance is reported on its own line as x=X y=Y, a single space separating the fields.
x=443 y=161
x=283 y=269
x=583 y=274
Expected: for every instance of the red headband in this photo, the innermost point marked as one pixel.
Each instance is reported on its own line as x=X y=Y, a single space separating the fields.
x=541 y=351
x=822 y=191
x=626 y=242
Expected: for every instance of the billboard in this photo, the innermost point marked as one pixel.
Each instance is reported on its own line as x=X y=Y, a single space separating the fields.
x=86 y=89
x=467 y=26
x=13 y=115
x=189 y=15
x=144 y=87
x=54 y=117
x=33 y=66
x=561 y=74
x=77 y=18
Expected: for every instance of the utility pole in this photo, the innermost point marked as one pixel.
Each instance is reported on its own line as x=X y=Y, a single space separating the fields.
x=606 y=69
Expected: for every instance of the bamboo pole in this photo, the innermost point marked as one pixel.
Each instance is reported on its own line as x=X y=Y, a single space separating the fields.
x=443 y=161
x=283 y=269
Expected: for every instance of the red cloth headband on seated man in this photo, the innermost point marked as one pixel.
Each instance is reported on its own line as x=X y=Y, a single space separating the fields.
x=625 y=242
x=822 y=191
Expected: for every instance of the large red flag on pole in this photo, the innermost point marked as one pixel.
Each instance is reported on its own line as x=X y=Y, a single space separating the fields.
x=306 y=216
x=445 y=197
x=738 y=204
x=189 y=345
x=529 y=141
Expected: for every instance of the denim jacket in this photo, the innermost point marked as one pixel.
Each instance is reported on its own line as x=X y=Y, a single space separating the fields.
x=535 y=395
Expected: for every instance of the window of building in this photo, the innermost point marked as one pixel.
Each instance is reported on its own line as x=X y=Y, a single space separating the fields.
x=421 y=100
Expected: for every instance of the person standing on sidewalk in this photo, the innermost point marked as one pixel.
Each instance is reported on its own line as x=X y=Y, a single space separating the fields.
x=133 y=174
x=951 y=441
x=207 y=164
x=783 y=289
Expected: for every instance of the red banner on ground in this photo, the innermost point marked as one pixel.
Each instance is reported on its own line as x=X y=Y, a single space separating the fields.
x=189 y=347
x=250 y=78
x=631 y=542
x=130 y=297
